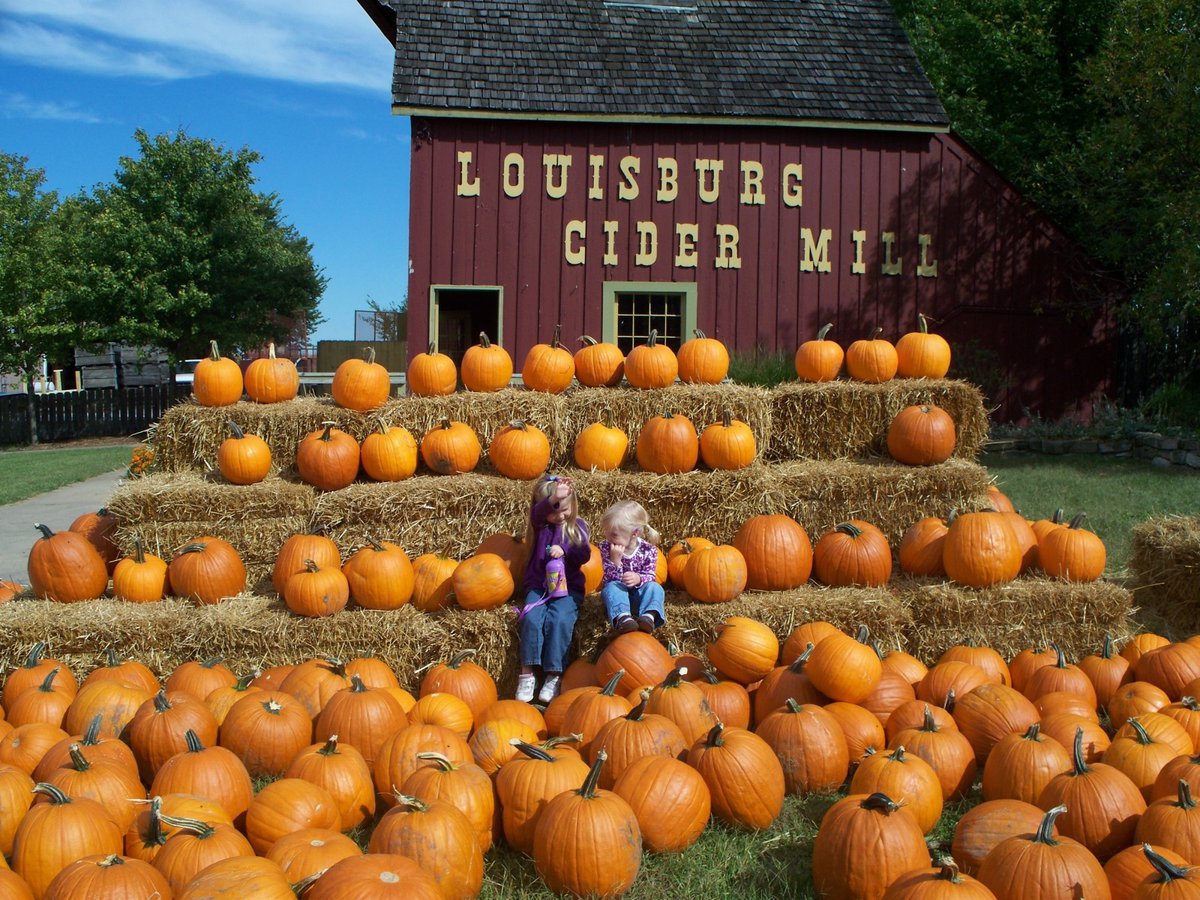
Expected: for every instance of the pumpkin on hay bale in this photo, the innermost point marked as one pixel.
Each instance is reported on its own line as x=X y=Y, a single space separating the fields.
x=849 y=419
x=1031 y=611
x=1165 y=570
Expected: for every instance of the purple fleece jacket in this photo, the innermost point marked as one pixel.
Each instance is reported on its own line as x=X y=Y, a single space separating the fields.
x=546 y=535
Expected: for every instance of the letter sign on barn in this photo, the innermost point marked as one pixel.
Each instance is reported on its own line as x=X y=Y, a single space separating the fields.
x=752 y=168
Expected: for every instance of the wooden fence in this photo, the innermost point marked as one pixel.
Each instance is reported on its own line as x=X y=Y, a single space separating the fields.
x=103 y=412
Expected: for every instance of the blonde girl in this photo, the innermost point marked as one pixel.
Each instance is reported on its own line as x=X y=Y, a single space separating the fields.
x=546 y=621
x=633 y=598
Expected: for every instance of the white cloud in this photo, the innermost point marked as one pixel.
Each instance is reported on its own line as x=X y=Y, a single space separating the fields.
x=329 y=42
x=19 y=106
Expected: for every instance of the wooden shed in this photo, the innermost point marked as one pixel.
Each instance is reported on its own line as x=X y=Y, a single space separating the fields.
x=751 y=168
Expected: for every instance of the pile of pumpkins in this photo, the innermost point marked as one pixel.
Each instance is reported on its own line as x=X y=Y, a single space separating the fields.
x=125 y=779
x=330 y=459
x=770 y=552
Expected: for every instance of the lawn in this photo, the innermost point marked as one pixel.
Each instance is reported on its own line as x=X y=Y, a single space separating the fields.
x=25 y=472
x=1115 y=493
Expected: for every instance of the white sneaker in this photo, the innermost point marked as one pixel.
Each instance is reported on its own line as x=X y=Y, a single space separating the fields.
x=525 y=685
x=549 y=688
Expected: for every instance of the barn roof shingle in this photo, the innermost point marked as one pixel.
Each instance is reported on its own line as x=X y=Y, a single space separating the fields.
x=843 y=62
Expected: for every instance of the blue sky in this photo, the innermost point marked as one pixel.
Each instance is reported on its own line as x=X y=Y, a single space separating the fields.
x=305 y=83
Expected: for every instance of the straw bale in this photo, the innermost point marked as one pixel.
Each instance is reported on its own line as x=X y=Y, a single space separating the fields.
x=849 y=419
x=191 y=497
x=1165 y=571
x=629 y=408
x=186 y=438
x=819 y=495
x=1031 y=611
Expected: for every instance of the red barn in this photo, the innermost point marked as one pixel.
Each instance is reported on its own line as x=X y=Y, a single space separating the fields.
x=751 y=168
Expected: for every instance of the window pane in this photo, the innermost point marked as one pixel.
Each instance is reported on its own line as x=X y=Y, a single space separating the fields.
x=639 y=313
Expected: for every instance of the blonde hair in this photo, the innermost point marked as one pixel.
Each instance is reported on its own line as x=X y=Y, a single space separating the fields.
x=543 y=488
x=630 y=516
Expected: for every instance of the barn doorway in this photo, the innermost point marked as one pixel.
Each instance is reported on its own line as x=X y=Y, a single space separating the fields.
x=458 y=314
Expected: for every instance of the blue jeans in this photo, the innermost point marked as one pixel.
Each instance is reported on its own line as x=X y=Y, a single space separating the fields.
x=546 y=631
x=644 y=599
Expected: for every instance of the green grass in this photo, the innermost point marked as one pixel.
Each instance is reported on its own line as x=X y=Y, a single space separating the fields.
x=24 y=473
x=1115 y=493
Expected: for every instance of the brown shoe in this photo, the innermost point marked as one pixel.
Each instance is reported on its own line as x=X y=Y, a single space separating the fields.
x=625 y=623
x=645 y=622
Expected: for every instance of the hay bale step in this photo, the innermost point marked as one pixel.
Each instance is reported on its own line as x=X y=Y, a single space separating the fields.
x=1164 y=569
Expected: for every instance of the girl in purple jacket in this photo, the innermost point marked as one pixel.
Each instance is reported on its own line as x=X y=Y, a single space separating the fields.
x=559 y=546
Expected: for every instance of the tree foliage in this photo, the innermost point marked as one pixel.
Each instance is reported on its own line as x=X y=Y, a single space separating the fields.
x=35 y=315
x=1092 y=108
x=181 y=249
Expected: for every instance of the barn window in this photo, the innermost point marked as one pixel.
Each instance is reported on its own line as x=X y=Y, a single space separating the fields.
x=633 y=309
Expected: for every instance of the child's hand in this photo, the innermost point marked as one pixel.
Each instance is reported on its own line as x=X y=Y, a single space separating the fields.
x=631 y=579
x=555 y=551
x=563 y=488
x=616 y=552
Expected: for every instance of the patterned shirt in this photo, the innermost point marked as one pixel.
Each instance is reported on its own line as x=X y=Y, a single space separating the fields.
x=643 y=560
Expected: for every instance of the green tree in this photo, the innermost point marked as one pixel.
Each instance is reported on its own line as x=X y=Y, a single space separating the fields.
x=1137 y=180
x=36 y=317
x=181 y=249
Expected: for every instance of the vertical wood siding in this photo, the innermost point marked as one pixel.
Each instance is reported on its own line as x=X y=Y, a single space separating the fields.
x=1010 y=288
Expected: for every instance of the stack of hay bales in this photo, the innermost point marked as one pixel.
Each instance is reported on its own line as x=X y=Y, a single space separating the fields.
x=822 y=460
x=1165 y=571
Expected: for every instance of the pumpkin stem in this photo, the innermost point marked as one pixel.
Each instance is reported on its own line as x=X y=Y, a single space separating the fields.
x=531 y=751
x=356 y=684
x=213 y=353
x=461 y=657
x=331 y=746
x=78 y=760
x=1078 y=762
x=653 y=339
x=923 y=323
x=715 y=736
x=235 y=429
x=897 y=755
x=556 y=341
x=56 y=795
x=611 y=688
x=327 y=434
x=930 y=723
x=801 y=661
x=161 y=703
x=369 y=355
x=848 y=528
x=194 y=744
x=1139 y=732
x=91 y=737
x=727 y=418
x=1185 y=800
x=881 y=802
x=139 y=552
x=201 y=829
x=271 y=350
x=45 y=530
x=588 y=791
x=674 y=677
x=441 y=760
x=1163 y=867
x=635 y=714
x=587 y=340
x=1106 y=651
x=1033 y=732
x=1045 y=830
x=47 y=685
x=951 y=701
x=792 y=705
x=1062 y=659
x=409 y=801
x=211 y=662
x=154 y=832
x=198 y=547
x=1078 y=520
x=825 y=329
x=948 y=870
x=483 y=340
x=864 y=635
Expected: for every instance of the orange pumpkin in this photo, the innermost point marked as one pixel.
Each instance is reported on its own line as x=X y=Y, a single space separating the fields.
x=243 y=458
x=271 y=378
x=668 y=445
x=432 y=581
x=716 y=574
x=703 y=360
x=651 y=365
x=328 y=458
x=482 y=581
x=380 y=576
x=141 y=578
x=981 y=550
x=486 y=367
x=389 y=453
x=316 y=591
x=922 y=354
x=65 y=566
x=520 y=450
x=432 y=374
x=601 y=447
x=777 y=551
x=853 y=553
x=217 y=380
x=207 y=570
x=922 y=435
x=549 y=367
x=728 y=444
x=361 y=384
x=451 y=448
x=599 y=364
x=819 y=359
x=872 y=359
x=1072 y=553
